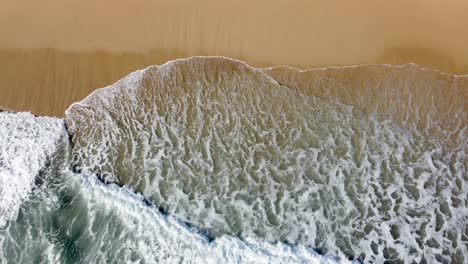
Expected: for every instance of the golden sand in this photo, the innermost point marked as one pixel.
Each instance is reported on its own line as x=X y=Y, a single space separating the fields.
x=55 y=52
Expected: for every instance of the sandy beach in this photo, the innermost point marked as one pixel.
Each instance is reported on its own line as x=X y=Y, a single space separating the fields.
x=53 y=53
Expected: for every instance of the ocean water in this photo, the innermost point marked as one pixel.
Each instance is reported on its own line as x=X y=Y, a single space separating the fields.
x=210 y=160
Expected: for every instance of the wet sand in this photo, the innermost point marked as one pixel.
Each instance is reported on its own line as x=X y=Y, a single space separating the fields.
x=53 y=53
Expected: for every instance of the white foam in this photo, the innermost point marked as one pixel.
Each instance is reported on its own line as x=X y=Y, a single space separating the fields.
x=158 y=237
x=25 y=144
x=231 y=152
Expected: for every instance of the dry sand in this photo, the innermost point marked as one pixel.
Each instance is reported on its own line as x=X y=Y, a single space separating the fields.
x=55 y=52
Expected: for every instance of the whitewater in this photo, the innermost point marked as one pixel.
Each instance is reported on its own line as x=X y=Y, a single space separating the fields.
x=209 y=160
x=53 y=215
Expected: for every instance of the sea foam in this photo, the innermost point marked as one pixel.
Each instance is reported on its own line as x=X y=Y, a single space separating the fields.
x=75 y=218
x=370 y=167
x=26 y=143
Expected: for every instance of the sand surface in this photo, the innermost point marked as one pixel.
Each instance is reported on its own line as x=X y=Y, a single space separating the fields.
x=55 y=52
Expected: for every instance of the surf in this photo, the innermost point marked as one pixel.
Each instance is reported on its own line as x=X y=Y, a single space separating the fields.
x=315 y=158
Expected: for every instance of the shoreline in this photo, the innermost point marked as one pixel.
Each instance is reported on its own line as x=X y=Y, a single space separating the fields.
x=46 y=82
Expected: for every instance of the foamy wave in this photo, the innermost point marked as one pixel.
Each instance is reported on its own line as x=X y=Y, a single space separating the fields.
x=83 y=220
x=25 y=144
x=169 y=240
x=224 y=146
